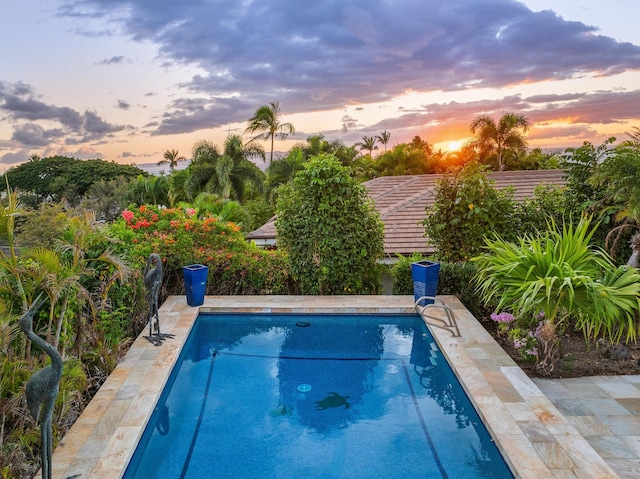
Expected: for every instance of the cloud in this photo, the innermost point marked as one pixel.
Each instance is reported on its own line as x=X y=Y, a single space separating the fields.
x=123 y=105
x=20 y=103
x=31 y=134
x=324 y=55
x=187 y=115
x=349 y=123
x=15 y=157
x=112 y=61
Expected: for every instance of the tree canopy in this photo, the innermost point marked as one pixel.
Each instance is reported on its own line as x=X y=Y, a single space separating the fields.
x=60 y=177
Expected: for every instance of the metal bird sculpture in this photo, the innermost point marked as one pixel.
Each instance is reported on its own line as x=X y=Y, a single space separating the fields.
x=42 y=387
x=152 y=276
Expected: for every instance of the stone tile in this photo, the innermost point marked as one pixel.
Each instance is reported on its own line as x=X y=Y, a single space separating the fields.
x=589 y=425
x=503 y=388
x=617 y=388
x=626 y=468
x=584 y=456
x=611 y=447
x=550 y=416
x=536 y=432
x=571 y=407
x=553 y=455
x=565 y=474
x=634 y=443
x=621 y=425
x=631 y=404
x=496 y=416
x=554 y=388
x=520 y=411
x=523 y=457
x=585 y=388
x=605 y=406
x=521 y=382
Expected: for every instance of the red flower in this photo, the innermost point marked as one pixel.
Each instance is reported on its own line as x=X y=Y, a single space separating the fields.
x=127 y=215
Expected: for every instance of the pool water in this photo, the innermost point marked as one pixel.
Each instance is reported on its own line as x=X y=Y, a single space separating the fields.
x=314 y=396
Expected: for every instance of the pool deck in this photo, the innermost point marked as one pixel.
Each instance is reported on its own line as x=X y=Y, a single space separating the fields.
x=581 y=428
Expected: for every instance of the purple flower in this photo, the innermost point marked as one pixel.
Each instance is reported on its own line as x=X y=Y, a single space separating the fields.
x=502 y=317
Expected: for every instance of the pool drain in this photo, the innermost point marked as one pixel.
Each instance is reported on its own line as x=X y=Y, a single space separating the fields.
x=304 y=388
x=303 y=324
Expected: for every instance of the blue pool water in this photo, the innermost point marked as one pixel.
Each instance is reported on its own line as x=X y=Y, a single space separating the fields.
x=314 y=397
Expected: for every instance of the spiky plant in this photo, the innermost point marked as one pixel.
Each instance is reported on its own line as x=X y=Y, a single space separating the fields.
x=559 y=273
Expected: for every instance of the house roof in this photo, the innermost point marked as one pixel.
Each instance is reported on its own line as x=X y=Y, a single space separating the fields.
x=402 y=200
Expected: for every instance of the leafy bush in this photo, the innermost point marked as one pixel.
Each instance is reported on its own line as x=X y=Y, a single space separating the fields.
x=330 y=230
x=548 y=203
x=467 y=207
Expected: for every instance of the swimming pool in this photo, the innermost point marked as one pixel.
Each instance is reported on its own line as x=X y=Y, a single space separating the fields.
x=315 y=396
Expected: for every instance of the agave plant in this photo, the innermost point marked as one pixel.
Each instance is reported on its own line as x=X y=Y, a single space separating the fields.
x=560 y=274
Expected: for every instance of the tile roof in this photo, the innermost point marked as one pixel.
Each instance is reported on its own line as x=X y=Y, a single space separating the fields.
x=401 y=202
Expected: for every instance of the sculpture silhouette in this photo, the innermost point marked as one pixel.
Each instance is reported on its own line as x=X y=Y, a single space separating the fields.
x=153 y=281
x=42 y=387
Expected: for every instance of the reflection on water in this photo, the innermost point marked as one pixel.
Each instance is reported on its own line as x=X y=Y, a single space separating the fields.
x=336 y=363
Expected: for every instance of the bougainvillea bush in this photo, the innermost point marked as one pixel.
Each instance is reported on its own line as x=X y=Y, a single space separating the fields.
x=181 y=238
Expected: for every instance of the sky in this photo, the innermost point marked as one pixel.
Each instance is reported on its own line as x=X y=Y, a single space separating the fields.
x=126 y=80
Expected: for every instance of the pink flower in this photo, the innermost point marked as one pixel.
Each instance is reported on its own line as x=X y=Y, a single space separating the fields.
x=190 y=212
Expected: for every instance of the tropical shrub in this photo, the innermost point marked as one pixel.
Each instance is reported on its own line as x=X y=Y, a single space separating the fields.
x=74 y=265
x=617 y=178
x=181 y=238
x=582 y=193
x=330 y=230
x=466 y=208
x=561 y=275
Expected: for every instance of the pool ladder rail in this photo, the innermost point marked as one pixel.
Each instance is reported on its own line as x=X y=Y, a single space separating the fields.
x=448 y=323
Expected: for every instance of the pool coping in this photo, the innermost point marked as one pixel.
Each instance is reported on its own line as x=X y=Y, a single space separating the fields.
x=536 y=440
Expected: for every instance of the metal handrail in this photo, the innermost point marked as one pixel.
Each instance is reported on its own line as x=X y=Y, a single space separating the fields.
x=448 y=324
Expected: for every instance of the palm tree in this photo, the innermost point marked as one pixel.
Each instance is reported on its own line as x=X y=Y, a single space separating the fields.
x=172 y=157
x=499 y=138
x=266 y=122
x=384 y=138
x=634 y=139
x=347 y=155
x=368 y=143
x=224 y=174
x=420 y=144
x=283 y=170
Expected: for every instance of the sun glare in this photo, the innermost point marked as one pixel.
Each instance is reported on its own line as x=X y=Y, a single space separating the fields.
x=455 y=145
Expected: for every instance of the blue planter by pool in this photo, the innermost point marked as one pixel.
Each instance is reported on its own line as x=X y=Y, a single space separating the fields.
x=195 y=283
x=425 y=279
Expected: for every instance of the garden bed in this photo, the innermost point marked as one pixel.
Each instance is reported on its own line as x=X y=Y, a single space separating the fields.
x=577 y=357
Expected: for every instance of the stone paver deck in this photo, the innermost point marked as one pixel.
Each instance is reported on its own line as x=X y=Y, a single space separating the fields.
x=581 y=429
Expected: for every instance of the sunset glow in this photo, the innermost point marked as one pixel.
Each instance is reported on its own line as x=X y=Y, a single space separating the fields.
x=128 y=83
